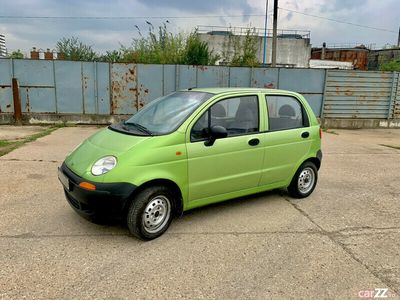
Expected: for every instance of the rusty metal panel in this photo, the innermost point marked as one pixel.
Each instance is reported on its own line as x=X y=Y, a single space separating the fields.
x=212 y=76
x=358 y=94
x=264 y=78
x=103 y=88
x=69 y=94
x=149 y=82
x=6 y=99
x=186 y=77
x=240 y=76
x=396 y=104
x=37 y=87
x=124 y=89
x=38 y=100
x=89 y=89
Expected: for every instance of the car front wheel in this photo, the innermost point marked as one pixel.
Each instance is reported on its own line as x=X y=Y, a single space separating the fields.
x=150 y=212
x=304 y=181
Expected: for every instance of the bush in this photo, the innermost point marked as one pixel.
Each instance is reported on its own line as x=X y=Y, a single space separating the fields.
x=393 y=65
x=74 y=49
x=16 y=54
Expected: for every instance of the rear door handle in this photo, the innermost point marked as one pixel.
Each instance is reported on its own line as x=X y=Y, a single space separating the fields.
x=305 y=134
x=254 y=142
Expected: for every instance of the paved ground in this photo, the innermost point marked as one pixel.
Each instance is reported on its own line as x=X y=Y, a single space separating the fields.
x=8 y=132
x=343 y=239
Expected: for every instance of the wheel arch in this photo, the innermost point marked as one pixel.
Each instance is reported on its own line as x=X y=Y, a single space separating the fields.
x=164 y=182
x=315 y=160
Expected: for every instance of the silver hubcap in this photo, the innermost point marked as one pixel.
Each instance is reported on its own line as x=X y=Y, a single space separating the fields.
x=306 y=180
x=156 y=214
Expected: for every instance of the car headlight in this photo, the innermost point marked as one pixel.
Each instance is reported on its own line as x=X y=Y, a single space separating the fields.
x=104 y=165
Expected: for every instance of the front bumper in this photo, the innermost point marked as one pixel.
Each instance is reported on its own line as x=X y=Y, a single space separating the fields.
x=109 y=200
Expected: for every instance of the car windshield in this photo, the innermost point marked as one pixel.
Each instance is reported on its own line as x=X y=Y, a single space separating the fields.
x=165 y=114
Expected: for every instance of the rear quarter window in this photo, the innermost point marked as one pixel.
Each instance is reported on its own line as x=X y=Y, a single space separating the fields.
x=285 y=112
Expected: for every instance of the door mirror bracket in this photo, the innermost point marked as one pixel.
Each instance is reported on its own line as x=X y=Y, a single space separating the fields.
x=216 y=132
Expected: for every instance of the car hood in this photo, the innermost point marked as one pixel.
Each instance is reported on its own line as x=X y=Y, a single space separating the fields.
x=103 y=143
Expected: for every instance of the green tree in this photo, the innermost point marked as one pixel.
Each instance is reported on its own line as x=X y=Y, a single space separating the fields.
x=197 y=51
x=16 y=54
x=158 y=47
x=74 y=49
x=163 y=47
x=244 y=49
x=393 y=65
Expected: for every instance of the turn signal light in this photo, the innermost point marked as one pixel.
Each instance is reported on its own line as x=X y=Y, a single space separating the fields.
x=320 y=133
x=87 y=186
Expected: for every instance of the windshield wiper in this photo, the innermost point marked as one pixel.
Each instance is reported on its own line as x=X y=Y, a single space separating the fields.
x=140 y=127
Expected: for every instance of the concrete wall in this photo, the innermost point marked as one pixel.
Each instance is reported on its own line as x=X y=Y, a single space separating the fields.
x=290 y=52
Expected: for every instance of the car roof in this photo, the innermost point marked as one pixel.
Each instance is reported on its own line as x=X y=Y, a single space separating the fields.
x=218 y=91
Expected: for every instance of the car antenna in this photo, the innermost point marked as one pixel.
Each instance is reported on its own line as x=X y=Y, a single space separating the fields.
x=191 y=88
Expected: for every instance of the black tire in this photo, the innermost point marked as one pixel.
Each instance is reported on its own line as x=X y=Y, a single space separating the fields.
x=300 y=186
x=151 y=212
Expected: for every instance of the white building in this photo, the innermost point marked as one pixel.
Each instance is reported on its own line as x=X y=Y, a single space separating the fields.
x=293 y=46
x=3 y=49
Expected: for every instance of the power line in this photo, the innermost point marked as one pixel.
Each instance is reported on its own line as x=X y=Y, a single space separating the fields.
x=337 y=21
x=127 y=17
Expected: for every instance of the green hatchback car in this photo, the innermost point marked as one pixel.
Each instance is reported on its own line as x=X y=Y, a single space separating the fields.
x=192 y=148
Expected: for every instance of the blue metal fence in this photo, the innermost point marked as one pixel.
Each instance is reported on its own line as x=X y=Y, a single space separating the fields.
x=359 y=94
x=67 y=87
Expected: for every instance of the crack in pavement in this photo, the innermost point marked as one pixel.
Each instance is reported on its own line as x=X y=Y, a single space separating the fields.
x=338 y=233
x=31 y=235
x=332 y=236
x=30 y=160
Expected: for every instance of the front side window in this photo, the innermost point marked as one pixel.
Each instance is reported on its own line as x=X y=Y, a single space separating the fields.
x=239 y=115
x=165 y=114
x=284 y=112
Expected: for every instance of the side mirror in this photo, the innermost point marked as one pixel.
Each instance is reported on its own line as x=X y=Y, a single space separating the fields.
x=216 y=132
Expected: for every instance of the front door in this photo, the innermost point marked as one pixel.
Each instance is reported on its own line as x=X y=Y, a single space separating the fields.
x=230 y=164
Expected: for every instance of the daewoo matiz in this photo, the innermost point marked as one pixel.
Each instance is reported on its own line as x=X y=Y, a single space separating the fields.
x=192 y=148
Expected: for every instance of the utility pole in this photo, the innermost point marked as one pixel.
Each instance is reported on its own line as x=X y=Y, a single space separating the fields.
x=274 y=32
x=398 y=39
x=265 y=33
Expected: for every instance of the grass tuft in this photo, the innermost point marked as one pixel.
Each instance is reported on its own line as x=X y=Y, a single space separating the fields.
x=8 y=146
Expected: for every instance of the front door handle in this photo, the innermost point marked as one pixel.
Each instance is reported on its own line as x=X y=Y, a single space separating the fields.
x=305 y=134
x=254 y=142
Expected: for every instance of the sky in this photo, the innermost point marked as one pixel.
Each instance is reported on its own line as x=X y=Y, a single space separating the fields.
x=119 y=26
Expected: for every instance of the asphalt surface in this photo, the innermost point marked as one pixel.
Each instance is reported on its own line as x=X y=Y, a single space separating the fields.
x=338 y=243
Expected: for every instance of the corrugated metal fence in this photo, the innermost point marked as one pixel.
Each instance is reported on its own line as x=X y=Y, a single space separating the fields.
x=56 y=86
x=92 y=88
x=357 y=94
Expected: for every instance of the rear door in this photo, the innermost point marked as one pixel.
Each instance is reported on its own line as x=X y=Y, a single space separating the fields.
x=287 y=140
x=233 y=163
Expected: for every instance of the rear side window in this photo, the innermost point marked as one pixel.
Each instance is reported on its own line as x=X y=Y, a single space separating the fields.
x=285 y=112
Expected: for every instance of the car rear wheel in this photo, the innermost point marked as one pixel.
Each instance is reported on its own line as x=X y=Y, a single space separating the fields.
x=304 y=181
x=151 y=212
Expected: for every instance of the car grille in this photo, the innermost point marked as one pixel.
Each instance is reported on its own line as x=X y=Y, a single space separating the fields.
x=75 y=203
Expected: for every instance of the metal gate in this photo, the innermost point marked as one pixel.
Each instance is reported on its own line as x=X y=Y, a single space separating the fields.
x=361 y=95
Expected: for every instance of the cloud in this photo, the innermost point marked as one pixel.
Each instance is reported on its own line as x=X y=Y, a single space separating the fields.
x=200 y=7
x=108 y=34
